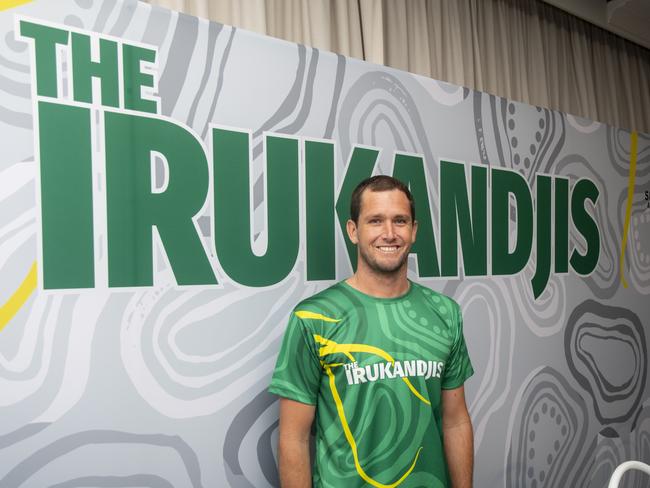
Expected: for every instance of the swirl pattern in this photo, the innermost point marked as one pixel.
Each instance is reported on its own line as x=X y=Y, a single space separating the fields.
x=595 y=333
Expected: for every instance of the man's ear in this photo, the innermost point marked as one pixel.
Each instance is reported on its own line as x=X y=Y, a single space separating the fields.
x=351 y=227
x=414 y=232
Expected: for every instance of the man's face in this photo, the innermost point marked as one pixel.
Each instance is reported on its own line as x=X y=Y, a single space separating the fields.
x=385 y=231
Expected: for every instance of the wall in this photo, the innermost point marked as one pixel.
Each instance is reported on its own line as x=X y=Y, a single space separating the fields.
x=141 y=357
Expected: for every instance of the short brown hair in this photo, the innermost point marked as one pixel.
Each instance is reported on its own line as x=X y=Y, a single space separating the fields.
x=378 y=183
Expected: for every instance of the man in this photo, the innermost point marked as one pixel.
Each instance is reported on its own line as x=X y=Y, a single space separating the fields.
x=380 y=361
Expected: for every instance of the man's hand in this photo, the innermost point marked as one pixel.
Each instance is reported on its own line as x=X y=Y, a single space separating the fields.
x=293 y=444
x=459 y=437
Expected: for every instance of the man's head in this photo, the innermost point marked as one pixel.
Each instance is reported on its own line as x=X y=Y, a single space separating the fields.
x=382 y=224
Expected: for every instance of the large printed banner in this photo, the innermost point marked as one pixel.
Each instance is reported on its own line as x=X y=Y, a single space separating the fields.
x=170 y=188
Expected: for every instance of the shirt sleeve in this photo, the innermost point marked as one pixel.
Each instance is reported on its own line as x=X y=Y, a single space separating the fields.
x=459 y=367
x=297 y=371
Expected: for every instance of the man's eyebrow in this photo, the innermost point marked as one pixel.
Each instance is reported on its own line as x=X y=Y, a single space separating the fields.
x=383 y=216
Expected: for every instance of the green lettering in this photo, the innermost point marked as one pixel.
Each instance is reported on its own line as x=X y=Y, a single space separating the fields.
x=456 y=219
x=66 y=196
x=133 y=209
x=232 y=212
x=84 y=70
x=586 y=225
x=135 y=79
x=319 y=190
x=543 y=236
x=561 y=225
x=45 y=41
x=504 y=184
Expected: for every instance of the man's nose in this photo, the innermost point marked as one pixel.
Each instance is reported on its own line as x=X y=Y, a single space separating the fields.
x=389 y=231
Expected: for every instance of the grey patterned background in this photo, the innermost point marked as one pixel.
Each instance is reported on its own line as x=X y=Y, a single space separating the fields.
x=165 y=386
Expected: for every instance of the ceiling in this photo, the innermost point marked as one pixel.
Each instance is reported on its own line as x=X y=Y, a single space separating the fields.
x=627 y=18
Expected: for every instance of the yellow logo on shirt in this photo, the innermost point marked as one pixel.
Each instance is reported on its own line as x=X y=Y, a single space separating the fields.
x=330 y=347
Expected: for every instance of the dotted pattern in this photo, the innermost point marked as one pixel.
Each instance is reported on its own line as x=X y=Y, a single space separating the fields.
x=548 y=420
x=523 y=157
x=441 y=308
x=639 y=245
x=551 y=435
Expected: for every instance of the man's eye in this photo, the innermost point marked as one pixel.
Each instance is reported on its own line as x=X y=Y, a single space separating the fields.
x=401 y=221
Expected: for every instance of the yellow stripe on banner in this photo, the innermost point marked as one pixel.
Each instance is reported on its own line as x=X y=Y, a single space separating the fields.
x=630 y=196
x=304 y=314
x=19 y=297
x=7 y=4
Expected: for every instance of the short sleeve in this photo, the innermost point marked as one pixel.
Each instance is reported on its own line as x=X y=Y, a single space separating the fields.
x=297 y=371
x=459 y=367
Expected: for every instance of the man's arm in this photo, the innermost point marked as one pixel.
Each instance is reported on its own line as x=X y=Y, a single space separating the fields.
x=293 y=444
x=458 y=437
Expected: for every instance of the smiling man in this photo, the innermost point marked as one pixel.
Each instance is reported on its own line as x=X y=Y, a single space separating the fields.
x=379 y=363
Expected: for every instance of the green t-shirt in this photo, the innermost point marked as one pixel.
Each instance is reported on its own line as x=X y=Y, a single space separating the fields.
x=374 y=367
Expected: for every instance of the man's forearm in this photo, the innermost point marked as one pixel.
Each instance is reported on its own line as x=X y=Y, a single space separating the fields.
x=294 y=464
x=459 y=451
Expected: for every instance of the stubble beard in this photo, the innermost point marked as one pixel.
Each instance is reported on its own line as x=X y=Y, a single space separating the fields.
x=386 y=270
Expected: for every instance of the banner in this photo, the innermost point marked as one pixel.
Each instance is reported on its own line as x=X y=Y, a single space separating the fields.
x=170 y=188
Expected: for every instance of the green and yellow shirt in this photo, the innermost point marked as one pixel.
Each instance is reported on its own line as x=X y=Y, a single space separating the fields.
x=375 y=368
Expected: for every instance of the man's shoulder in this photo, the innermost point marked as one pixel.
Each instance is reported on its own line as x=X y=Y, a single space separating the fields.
x=330 y=300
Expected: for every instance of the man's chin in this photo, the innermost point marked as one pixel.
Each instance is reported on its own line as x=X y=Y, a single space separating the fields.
x=388 y=272
x=388 y=268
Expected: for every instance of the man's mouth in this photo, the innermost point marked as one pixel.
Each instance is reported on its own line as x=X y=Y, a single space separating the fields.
x=388 y=249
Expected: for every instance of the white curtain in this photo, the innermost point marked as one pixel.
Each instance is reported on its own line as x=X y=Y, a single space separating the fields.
x=523 y=50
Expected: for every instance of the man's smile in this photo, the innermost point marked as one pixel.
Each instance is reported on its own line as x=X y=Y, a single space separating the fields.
x=388 y=249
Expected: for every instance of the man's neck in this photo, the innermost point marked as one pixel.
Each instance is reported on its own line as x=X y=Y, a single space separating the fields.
x=380 y=285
